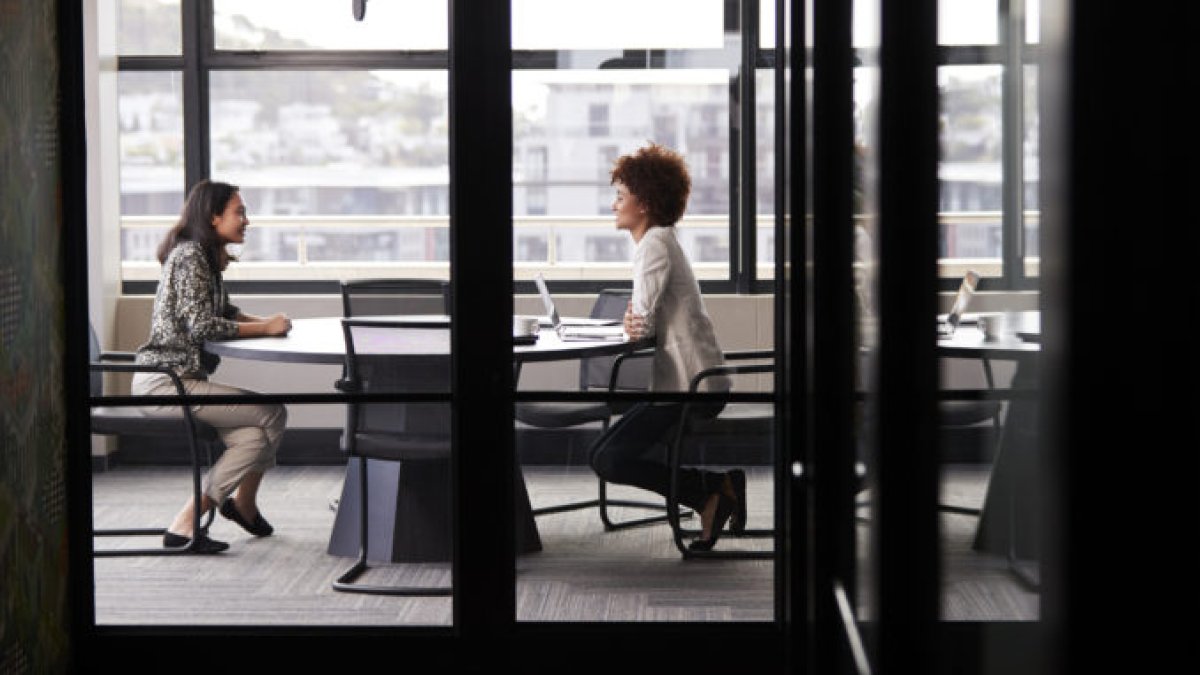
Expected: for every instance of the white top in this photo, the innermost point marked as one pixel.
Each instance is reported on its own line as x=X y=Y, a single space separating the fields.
x=666 y=294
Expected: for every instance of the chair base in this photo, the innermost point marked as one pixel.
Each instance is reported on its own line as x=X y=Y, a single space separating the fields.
x=689 y=554
x=345 y=584
x=146 y=532
x=603 y=502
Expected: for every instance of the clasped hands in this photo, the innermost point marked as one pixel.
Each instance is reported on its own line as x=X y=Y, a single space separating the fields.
x=278 y=324
x=635 y=324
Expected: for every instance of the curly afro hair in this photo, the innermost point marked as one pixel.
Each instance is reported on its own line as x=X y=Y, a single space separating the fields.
x=658 y=177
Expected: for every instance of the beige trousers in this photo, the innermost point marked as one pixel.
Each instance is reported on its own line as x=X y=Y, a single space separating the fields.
x=251 y=433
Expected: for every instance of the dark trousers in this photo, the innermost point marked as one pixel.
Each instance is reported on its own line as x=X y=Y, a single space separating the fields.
x=633 y=452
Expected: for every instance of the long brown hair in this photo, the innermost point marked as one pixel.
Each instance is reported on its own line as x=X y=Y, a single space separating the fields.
x=207 y=199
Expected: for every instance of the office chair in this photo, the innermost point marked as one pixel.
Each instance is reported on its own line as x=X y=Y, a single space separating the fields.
x=410 y=433
x=595 y=373
x=736 y=420
x=386 y=297
x=120 y=420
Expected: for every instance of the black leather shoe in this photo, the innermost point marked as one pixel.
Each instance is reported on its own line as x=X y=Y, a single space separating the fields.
x=737 y=523
x=725 y=508
x=203 y=543
x=259 y=527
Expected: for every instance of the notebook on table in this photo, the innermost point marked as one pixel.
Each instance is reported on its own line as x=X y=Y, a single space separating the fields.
x=577 y=328
x=949 y=323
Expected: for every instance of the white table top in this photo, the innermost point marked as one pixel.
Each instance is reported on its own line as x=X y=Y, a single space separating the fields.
x=320 y=340
x=969 y=340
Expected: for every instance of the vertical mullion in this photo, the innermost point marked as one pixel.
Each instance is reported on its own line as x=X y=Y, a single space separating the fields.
x=907 y=562
x=747 y=150
x=1012 y=189
x=196 y=17
x=791 y=208
x=831 y=515
x=73 y=259
x=481 y=278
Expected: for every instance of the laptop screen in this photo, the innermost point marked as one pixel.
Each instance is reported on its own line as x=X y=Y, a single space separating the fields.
x=547 y=300
x=965 y=290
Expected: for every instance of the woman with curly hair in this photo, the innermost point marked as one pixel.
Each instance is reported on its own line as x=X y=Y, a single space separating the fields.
x=652 y=191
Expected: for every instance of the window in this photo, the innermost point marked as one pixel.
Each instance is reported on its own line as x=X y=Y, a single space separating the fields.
x=336 y=130
x=598 y=120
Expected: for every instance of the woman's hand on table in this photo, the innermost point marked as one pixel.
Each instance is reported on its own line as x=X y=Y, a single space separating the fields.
x=278 y=324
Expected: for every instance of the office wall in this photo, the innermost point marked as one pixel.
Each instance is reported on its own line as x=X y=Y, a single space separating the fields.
x=34 y=613
x=742 y=322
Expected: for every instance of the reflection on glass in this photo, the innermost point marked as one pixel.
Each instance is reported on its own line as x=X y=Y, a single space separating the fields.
x=1033 y=25
x=150 y=122
x=318 y=24
x=568 y=128
x=1031 y=151
x=968 y=22
x=969 y=171
x=149 y=27
x=367 y=146
x=553 y=24
x=764 y=159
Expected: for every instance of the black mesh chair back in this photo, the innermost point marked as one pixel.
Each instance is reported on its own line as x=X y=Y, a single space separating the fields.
x=415 y=433
x=633 y=374
x=127 y=420
x=595 y=372
x=751 y=425
x=402 y=430
x=390 y=297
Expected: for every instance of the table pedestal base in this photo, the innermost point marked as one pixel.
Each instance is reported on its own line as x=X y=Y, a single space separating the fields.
x=409 y=504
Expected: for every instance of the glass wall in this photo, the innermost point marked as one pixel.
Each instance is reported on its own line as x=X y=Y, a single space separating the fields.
x=342 y=164
x=616 y=85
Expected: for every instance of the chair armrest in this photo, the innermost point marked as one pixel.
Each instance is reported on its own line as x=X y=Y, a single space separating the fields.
x=616 y=367
x=128 y=357
x=139 y=368
x=743 y=355
x=729 y=370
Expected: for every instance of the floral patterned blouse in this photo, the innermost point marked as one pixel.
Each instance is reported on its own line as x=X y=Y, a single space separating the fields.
x=191 y=306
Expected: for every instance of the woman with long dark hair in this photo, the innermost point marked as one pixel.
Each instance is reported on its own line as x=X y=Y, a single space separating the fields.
x=652 y=192
x=191 y=306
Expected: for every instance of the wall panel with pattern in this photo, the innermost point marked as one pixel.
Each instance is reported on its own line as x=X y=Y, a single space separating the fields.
x=33 y=523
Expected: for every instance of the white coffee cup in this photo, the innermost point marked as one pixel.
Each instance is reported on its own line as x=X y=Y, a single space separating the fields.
x=525 y=325
x=994 y=326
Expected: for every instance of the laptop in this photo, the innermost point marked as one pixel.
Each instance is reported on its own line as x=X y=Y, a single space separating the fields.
x=577 y=328
x=949 y=323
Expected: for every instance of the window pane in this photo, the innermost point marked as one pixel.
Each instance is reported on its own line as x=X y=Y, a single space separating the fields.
x=569 y=126
x=150 y=119
x=336 y=166
x=968 y=22
x=320 y=24
x=1033 y=15
x=147 y=27
x=617 y=24
x=765 y=173
x=970 y=168
x=1031 y=147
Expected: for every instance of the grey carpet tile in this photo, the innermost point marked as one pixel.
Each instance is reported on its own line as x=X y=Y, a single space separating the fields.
x=583 y=573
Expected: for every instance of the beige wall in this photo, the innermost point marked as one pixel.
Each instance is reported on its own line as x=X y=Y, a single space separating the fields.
x=742 y=322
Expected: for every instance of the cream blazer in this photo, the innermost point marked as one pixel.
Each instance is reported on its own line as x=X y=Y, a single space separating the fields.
x=666 y=294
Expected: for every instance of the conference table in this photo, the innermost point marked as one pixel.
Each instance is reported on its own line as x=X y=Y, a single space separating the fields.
x=410 y=507
x=1009 y=518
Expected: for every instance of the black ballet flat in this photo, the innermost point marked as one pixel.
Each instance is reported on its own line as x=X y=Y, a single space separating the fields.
x=725 y=508
x=737 y=524
x=203 y=544
x=259 y=527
